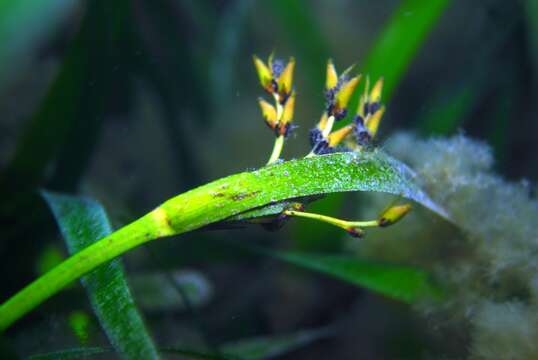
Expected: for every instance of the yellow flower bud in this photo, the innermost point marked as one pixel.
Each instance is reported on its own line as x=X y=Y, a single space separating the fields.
x=337 y=136
x=345 y=92
x=393 y=214
x=287 y=114
x=375 y=94
x=264 y=73
x=268 y=112
x=372 y=121
x=285 y=80
x=332 y=76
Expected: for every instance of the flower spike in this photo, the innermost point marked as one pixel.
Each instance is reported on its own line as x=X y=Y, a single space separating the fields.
x=276 y=77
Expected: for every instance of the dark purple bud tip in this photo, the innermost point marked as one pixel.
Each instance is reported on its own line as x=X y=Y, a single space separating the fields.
x=358 y=120
x=316 y=136
x=362 y=135
x=340 y=114
x=327 y=150
x=289 y=129
x=277 y=67
x=329 y=95
x=371 y=108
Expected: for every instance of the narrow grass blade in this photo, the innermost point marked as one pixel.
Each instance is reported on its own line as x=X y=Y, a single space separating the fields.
x=82 y=222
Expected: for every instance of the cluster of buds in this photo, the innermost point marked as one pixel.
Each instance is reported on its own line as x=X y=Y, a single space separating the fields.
x=276 y=78
x=338 y=92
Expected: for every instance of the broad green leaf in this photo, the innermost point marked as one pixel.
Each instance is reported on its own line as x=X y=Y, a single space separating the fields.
x=404 y=283
x=24 y=25
x=68 y=354
x=83 y=221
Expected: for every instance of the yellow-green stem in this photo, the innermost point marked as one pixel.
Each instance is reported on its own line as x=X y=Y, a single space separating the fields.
x=343 y=224
x=277 y=149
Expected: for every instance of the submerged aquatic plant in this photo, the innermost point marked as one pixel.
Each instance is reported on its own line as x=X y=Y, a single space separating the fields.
x=340 y=161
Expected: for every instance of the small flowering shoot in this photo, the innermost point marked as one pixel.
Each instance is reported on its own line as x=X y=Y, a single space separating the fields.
x=343 y=160
x=276 y=78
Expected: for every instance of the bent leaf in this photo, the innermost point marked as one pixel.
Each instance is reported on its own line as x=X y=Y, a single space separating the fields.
x=341 y=172
x=403 y=283
x=83 y=221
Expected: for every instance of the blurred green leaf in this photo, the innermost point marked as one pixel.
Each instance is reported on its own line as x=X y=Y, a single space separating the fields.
x=61 y=133
x=73 y=106
x=83 y=221
x=397 y=45
x=24 y=25
x=228 y=37
x=68 y=354
x=302 y=30
x=268 y=347
x=447 y=112
x=257 y=348
x=166 y=291
x=402 y=283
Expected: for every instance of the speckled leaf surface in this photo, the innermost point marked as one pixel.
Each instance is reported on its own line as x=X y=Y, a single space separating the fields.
x=83 y=221
x=262 y=190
